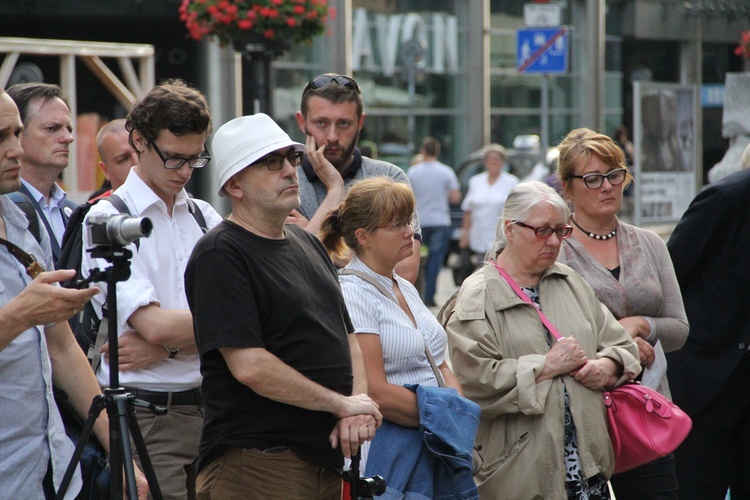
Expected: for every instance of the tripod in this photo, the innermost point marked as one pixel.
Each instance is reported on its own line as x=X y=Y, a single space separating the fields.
x=362 y=488
x=119 y=404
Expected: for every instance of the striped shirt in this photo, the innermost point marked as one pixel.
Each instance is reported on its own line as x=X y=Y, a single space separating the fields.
x=31 y=429
x=371 y=312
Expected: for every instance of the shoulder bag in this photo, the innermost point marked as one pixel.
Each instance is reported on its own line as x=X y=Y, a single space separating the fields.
x=643 y=425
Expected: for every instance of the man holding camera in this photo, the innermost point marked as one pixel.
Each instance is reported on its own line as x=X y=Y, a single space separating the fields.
x=34 y=450
x=284 y=378
x=157 y=354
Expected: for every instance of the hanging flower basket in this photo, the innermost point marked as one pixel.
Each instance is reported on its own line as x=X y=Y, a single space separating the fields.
x=743 y=49
x=273 y=23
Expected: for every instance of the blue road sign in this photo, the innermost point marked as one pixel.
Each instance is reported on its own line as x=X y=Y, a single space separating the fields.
x=542 y=50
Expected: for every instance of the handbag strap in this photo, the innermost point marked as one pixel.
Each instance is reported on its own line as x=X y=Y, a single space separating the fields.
x=366 y=277
x=552 y=330
x=33 y=269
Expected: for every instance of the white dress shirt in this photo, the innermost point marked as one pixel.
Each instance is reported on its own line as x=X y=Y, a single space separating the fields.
x=157 y=276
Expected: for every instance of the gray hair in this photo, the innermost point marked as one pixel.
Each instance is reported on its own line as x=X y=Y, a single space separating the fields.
x=521 y=201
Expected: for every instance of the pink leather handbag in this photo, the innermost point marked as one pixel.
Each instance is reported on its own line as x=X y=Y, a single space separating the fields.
x=643 y=425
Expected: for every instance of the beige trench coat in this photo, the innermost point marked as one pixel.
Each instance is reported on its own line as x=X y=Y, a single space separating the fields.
x=498 y=348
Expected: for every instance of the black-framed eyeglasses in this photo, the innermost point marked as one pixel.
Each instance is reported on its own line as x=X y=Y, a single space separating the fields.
x=275 y=162
x=400 y=225
x=546 y=232
x=171 y=163
x=321 y=81
x=595 y=181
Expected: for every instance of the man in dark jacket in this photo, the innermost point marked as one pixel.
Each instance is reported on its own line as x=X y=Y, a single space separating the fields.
x=709 y=376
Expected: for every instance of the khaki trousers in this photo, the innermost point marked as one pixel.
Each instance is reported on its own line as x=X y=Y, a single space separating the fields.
x=172 y=445
x=251 y=474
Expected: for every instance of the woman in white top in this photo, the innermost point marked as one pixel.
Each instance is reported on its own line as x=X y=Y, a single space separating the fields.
x=398 y=335
x=484 y=202
x=375 y=221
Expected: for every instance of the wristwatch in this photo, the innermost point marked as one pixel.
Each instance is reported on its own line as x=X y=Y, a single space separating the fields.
x=172 y=351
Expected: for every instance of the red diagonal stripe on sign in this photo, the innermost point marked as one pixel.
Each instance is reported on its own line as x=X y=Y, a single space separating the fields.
x=541 y=50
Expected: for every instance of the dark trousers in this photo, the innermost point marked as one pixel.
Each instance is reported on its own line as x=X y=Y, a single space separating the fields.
x=716 y=454
x=653 y=481
x=436 y=239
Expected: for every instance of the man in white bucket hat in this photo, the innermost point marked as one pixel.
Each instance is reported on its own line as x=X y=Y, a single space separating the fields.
x=283 y=377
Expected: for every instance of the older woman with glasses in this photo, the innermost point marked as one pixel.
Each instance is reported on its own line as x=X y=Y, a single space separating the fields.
x=543 y=431
x=631 y=272
x=403 y=347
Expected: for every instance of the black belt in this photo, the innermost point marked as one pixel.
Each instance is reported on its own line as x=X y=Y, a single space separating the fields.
x=182 y=398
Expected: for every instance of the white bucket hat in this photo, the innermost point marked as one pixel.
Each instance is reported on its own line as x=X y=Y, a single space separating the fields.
x=244 y=140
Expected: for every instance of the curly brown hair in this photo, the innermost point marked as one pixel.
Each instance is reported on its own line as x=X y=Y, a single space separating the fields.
x=172 y=105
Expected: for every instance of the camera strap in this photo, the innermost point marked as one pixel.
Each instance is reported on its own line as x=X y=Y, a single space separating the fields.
x=33 y=269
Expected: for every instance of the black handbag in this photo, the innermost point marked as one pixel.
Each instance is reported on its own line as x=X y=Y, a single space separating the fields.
x=463 y=268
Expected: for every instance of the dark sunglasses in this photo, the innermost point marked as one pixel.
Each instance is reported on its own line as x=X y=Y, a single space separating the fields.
x=321 y=81
x=275 y=162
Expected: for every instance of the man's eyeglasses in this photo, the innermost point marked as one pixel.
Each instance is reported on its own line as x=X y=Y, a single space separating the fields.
x=275 y=162
x=546 y=232
x=400 y=225
x=174 y=163
x=321 y=81
x=595 y=181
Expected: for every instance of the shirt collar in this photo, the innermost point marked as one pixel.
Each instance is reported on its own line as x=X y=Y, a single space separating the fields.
x=56 y=198
x=143 y=196
x=350 y=172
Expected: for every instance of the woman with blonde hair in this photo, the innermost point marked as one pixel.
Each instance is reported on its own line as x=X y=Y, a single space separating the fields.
x=403 y=347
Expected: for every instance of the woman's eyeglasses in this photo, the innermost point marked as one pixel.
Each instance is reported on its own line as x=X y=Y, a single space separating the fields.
x=321 y=81
x=401 y=225
x=595 y=181
x=275 y=162
x=545 y=232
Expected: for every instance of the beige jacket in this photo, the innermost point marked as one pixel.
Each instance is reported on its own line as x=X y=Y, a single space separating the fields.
x=498 y=348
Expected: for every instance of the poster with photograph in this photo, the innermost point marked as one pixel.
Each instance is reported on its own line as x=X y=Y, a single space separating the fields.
x=665 y=166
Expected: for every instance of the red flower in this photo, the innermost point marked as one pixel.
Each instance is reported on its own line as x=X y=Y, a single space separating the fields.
x=290 y=21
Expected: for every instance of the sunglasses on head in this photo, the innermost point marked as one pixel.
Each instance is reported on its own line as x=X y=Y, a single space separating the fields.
x=321 y=81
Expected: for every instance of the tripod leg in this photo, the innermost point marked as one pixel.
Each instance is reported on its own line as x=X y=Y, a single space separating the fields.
x=140 y=446
x=127 y=452
x=97 y=405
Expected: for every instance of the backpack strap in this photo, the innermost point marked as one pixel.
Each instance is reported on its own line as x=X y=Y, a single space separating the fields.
x=195 y=211
x=27 y=207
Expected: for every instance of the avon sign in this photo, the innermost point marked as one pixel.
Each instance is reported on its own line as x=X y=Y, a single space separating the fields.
x=376 y=47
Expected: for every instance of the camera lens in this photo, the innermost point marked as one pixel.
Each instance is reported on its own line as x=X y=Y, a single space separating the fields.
x=128 y=229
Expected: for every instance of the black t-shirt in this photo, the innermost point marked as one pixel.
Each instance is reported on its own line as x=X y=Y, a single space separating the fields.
x=282 y=295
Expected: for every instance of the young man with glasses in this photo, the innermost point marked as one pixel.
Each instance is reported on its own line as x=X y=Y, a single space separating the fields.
x=331 y=116
x=283 y=374
x=158 y=358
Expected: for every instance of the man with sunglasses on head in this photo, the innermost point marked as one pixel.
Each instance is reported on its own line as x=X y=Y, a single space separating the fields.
x=157 y=354
x=331 y=116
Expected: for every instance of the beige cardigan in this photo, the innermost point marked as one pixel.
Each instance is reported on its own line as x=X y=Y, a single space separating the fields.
x=498 y=348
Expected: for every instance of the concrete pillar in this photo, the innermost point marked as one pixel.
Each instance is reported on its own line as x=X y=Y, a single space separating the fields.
x=477 y=82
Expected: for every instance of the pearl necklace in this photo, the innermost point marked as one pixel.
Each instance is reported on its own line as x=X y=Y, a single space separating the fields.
x=600 y=237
